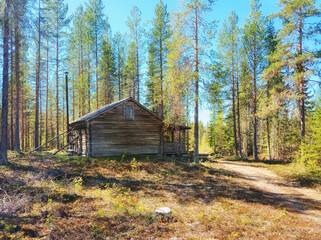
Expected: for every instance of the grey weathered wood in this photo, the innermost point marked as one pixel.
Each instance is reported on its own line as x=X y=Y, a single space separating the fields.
x=48 y=142
x=65 y=146
x=127 y=127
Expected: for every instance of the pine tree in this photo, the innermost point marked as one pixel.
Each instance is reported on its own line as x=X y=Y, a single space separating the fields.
x=136 y=33
x=108 y=72
x=59 y=21
x=198 y=30
x=291 y=55
x=38 y=64
x=228 y=52
x=254 y=49
x=179 y=73
x=119 y=46
x=97 y=24
x=130 y=71
x=157 y=50
x=5 y=84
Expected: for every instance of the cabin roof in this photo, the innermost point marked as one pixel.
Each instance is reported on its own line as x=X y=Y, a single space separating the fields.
x=103 y=109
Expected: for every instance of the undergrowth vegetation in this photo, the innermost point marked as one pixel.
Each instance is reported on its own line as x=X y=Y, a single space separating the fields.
x=73 y=197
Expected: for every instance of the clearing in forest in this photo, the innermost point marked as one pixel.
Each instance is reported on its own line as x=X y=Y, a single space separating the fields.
x=45 y=197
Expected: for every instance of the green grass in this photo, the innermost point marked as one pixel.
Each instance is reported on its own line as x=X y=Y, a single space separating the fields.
x=73 y=197
x=307 y=177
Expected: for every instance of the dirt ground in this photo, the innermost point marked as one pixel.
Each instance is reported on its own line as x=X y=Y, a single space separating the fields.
x=304 y=201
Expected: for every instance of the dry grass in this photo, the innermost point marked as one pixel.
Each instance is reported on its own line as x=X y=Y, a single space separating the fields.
x=64 y=197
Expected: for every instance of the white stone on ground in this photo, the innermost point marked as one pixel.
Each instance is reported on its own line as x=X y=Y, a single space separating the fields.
x=163 y=211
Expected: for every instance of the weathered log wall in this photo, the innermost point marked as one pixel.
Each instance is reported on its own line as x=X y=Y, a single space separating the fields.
x=112 y=134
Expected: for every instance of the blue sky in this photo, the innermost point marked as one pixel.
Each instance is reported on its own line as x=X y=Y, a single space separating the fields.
x=118 y=12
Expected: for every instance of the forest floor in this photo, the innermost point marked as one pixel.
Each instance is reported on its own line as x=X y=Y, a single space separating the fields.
x=72 y=197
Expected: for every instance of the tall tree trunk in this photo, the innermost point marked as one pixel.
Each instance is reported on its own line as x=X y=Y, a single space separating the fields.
x=268 y=124
x=11 y=95
x=118 y=71
x=238 y=103
x=5 y=85
x=300 y=69
x=254 y=106
x=96 y=57
x=161 y=77
x=137 y=71
x=57 y=80
x=17 y=73
x=88 y=83
x=47 y=92
x=268 y=137
x=234 y=115
x=73 y=98
x=238 y=116
x=37 y=83
x=196 y=157
x=22 y=121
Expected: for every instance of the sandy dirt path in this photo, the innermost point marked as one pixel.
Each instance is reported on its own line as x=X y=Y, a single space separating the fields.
x=304 y=201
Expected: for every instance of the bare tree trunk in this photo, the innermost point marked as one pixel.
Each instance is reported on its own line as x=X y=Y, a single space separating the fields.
x=300 y=69
x=234 y=117
x=47 y=92
x=17 y=73
x=238 y=116
x=137 y=72
x=11 y=96
x=28 y=132
x=254 y=107
x=89 y=109
x=57 y=81
x=96 y=57
x=73 y=98
x=22 y=121
x=119 y=78
x=5 y=86
x=268 y=124
x=37 y=83
x=196 y=156
x=161 y=77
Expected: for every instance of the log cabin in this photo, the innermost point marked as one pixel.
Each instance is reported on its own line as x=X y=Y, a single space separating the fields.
x=125 y=127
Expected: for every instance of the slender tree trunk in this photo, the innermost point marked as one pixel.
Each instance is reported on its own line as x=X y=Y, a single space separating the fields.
x=22 y=121
x=119 y=79
x=57 y=80
x=234 y=115
x=63 y=119
x=96 y=57
x=17 y=73
x=137 y=72
x=196 y=156
x=73 y=98
x=37 y=83
x=238 y=117
x=89 y=109
x=11 y=96
x=268 y=137
x=5 y=86
x=47 y=92
x=268 y=124
x=300 y=69
x=254 y=114
x=28 y=133
x=161 y=76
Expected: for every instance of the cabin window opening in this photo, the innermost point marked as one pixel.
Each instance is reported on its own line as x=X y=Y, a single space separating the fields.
x=129 y=112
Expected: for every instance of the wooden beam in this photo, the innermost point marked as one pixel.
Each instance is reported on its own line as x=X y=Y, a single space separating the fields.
x=65 y=146
x=48 y=141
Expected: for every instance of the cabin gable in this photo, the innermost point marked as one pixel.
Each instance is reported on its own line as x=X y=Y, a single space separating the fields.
x=127 y=128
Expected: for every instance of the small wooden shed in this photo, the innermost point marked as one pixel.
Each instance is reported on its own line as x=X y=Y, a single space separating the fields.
x=123 y=127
